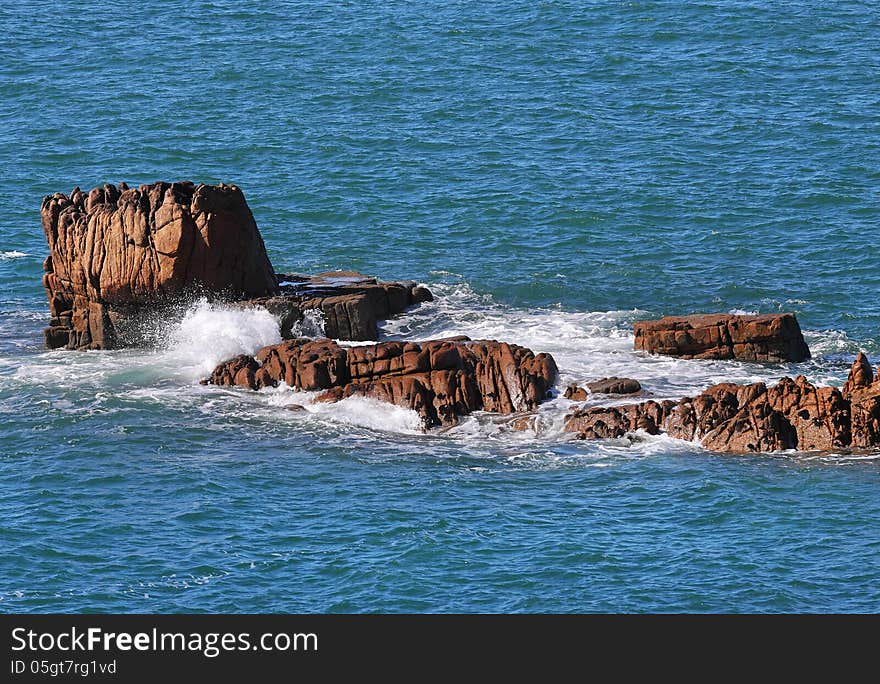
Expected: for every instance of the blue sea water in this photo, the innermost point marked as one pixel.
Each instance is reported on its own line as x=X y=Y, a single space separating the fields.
x=553 y=171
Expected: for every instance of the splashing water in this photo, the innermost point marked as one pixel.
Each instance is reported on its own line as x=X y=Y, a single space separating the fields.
x=211 y=333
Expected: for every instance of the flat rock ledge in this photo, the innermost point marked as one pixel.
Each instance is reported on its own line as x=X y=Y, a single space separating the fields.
x=765 y=338
x=118 y=256
x=350 y=304
x=612 y=385
x=441 y=380
x=793 y=414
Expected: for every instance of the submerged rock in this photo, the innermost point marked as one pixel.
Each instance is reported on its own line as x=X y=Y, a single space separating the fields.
x=768 y=338
x=793 y=414
x=440 y=380
x=118 y=256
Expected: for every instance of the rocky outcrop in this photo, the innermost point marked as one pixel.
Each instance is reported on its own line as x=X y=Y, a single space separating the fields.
x=350 y=304
x=118 y=256
x=440 y=380
x=767 y=338
x=862 y=390
x=611 y=422
x=613 y=385
x=793 y=414
x=118 y=250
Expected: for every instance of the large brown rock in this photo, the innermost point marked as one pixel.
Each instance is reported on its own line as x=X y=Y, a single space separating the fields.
x=793 y=414
x=768 y=338
x=862 y=389
x=610 y=422
x=115 y=251
x=118 y=255
x=440 y=380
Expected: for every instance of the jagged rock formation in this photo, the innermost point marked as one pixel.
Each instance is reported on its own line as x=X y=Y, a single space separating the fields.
x=440 y=380
x=117 y=255
x=862 y=390
x=793 y=414
x=118 y=250
x=350 y=303
x=613 y=385
x=768 y=338
x=610 y=422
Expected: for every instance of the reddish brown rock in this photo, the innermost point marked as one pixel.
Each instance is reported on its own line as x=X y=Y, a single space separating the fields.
x=527 y=422
x=575 y=393
x=610 y=422
x=793 y=414
x=116 y=251
x=441 y=379
x=119 y=255
x=767 y=338
x=861 y=376
x=862 y=389
x=350 y=304
x=613 y=385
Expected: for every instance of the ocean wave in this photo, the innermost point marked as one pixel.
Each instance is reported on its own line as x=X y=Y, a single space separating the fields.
x=210 y=333
x=14 y=254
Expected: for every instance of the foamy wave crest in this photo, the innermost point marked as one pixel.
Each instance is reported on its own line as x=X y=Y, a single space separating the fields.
x=829 y=342
x=14 y=254
x=211 y=333
x=358 y=411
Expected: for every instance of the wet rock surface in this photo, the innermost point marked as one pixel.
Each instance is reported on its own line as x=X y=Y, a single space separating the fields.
x=766 y=338
x=793 y=414
x=117 y=251
x=349 y=304
x=440 y=380
x=613 y=385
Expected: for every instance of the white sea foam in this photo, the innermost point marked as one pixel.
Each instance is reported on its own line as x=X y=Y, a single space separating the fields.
x=211 y=333
x=187 y=350
x=586 y=346
x=359 y=411
x=311 y=325
x=14 y=254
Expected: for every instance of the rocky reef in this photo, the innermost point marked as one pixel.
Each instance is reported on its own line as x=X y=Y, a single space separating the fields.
x=440 y=380
x=767 y=338
x=117 y=251
x=119 y=255
x=793 y=414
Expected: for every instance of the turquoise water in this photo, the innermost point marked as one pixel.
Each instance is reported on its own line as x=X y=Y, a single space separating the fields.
x=554 y=171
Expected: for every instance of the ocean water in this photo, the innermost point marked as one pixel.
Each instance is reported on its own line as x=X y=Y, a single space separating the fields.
x=554 y=171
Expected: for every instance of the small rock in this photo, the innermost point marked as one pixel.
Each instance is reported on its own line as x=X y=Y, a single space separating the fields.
x=615 y=385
